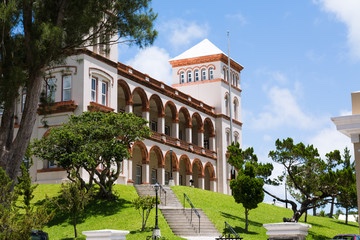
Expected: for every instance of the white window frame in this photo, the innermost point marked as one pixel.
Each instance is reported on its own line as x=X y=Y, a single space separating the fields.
x=93 y=89
x=182 y=77
x=66 y=90
x=196 y=75
x=189 y=76
x=104 y=93
x=203 y=74
x=211 y=73
x=51 y=88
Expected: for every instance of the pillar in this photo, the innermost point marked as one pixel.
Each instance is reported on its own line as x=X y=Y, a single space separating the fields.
x=146 y=173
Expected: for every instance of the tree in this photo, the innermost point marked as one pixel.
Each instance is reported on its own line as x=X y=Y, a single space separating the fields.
x=15 y=223
x=96 y=142
x=37 y=34
x=144 y=205
x=247 y=188
x=73 y=200
x=347 y=197
x=308 y=178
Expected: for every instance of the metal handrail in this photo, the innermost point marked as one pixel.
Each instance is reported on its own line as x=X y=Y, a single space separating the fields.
x=192 y=209
x=164 y=191
x=231 y=230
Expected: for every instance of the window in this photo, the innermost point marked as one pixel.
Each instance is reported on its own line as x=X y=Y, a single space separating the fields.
x=236 y=103
x=227 y=104
x=51 y=164
x=23 y=98
x=227 y=138
x=153 y=126
x=66 y=92
x=211 y=73
x=93 y=89
x=104 y=93
x=50 y=89
x=196 y=73
x=236 y=137
x=167 y=130
x=203 y=74
x=182 y=77
x=189 y=76
x=206 y=144
x=225 y=73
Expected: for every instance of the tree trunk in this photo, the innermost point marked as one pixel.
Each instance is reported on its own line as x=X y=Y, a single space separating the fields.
x=314 y=211
x=331 y=213
x=13 y=155
x=346 y=215
x=246 y=220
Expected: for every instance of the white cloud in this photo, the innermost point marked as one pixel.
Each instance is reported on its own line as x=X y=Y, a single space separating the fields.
x=348 y=13
x=329 y=139
x=282 y=110
x=153 y=61
x=182 y=33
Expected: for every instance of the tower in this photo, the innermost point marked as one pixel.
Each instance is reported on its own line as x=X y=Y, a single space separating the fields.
x=203 y=73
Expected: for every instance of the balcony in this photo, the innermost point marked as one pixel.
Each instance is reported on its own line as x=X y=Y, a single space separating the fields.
x=96 y=107
x=57 y=107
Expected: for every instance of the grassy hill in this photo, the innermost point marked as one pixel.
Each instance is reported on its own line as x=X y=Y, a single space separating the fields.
x=218 y=207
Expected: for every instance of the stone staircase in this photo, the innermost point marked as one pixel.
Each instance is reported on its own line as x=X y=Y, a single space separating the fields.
x=182 y=221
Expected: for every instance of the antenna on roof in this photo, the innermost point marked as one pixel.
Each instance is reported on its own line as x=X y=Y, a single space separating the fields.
x=232 y=171
x=229 y=82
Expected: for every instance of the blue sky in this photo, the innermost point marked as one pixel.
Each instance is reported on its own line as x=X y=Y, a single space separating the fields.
x=301 y=62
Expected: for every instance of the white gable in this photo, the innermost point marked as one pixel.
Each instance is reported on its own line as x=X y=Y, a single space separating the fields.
x=204 y=48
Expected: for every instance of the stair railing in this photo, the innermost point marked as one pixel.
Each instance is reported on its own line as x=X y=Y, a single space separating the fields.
x=193 y=209
x=227 y=226
x=162 y=190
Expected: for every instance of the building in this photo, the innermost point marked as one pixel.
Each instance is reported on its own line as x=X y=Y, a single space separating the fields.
x=193 y=120
x=350 y=126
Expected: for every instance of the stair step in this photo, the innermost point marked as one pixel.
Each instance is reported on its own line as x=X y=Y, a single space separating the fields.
x=177 y=217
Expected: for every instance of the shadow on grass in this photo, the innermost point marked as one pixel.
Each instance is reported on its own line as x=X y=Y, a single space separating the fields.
x=96 y=207
x=238 y=229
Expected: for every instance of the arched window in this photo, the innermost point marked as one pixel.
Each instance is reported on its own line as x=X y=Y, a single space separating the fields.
x=196 y=75
x=225 y=74
x=236 y=107
x=182 y=77
x=227 y=104
x=227 y=137
x=211 y=73
x=236 y=137
x=189 y=75
x=203 y=74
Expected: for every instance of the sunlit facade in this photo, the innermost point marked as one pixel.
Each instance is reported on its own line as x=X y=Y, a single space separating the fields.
x=189 y=120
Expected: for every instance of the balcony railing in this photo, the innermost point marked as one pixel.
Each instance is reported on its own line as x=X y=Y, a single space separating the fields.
x=190 y=147
x=57 y=107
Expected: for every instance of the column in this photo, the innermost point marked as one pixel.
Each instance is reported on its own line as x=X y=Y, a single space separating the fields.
x=188 y=178
x=129 y=171
x=176 y=177
x=161 y=125
x=175 y=129
x=129 y=108
x=188 y=135
x=357 y=168
x=201 y=138
x=201 y=182
x=146 y=173
x=146 y=116
x=212 y=143
x=213 y=185
x=161 y=176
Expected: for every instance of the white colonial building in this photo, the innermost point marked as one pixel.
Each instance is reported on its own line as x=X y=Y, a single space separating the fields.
x=190 y=119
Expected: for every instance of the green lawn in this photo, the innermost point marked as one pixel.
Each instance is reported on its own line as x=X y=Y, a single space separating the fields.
x=219 y=208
